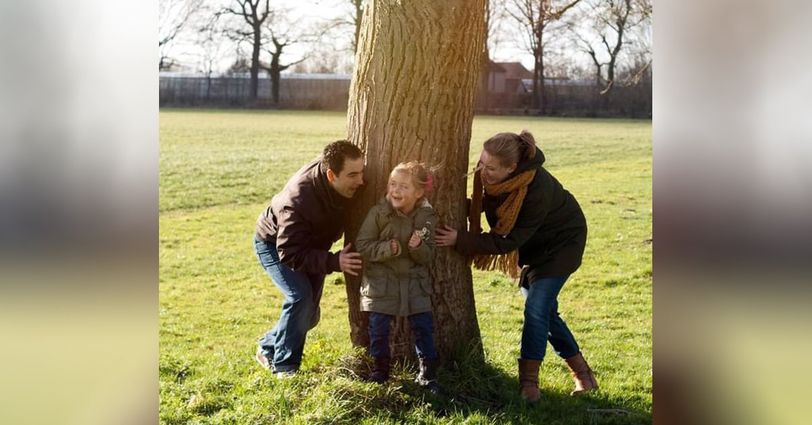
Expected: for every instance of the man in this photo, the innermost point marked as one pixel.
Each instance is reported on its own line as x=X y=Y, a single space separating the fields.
x=292 y=240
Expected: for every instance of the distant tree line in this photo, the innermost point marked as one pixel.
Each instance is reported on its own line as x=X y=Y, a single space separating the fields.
x=607 y=42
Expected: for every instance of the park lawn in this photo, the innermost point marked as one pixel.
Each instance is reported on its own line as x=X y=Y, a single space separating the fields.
x=218 y=169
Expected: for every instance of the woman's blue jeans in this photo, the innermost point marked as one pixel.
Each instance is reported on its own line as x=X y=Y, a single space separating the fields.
x=542 y=321
x=284 y=343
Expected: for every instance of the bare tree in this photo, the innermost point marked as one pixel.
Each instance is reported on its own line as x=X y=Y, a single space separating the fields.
x=173 y=16
x=240 y=65
x=349 y=21
x=645 y=8
x=282 y=34
x=355 y=20
x=639 y=45
x=613 y=19
x=211 y=43
x=253 y=13
x=535 y=17
x=411 y=98
x=495 y=23
x=494 y=16
x=323 y=58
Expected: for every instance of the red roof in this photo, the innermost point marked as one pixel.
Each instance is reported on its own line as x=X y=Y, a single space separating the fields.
x=514 y=70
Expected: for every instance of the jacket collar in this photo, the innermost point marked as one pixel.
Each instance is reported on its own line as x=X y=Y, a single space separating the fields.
x=325 y=190
x=528 y=164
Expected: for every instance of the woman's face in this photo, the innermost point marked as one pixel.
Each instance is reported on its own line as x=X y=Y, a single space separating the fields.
x=493 y=171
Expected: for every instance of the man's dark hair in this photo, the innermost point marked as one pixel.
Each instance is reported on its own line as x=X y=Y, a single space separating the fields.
x=337 y=152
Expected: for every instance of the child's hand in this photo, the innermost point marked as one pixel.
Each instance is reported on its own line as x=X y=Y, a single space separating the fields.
x=415 y=240
x=395 y=247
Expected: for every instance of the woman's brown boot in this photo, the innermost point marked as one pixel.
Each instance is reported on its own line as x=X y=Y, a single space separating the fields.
x=529 y=379
x=581 y=374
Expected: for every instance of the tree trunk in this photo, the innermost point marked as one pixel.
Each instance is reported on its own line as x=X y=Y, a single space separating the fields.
x=610 y=80
x=359 y=13
x=482 y=100
x=275 y=77
x=542 y=88
x=255 y=64
x=538 y=79
x=412 y=98
x=596 y=103
x=535 y=101
x=540 y=62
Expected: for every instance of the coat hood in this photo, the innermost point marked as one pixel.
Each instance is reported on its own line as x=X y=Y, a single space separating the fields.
x=530 y=164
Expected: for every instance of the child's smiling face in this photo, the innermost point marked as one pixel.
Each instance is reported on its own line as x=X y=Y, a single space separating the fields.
x=402 y=192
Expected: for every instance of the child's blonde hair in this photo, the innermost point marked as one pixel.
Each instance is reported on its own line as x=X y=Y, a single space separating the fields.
x=420 y=174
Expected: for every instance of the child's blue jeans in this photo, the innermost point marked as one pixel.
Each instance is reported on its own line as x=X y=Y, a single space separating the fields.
x=422 y=325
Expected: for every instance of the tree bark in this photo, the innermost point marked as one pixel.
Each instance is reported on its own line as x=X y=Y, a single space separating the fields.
x=255 y=48
x=540 y=72
x=275 y=72
x=538 y=24
x=357 y=17
x=411 y=98
x=483 y=93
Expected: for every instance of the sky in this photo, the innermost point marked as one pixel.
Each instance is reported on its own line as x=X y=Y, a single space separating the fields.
x=506 y=43
x=187 y=50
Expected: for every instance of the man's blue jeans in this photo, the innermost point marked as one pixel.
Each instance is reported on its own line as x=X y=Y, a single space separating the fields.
x=422 y=325
x=542 y=322
x=300 y=309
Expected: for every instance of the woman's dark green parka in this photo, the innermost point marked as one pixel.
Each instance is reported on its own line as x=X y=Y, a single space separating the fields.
x=550 y=231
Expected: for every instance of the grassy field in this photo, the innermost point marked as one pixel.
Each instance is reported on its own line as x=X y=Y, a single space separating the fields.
x=218 y=170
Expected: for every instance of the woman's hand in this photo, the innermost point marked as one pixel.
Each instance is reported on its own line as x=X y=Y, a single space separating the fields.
x=395 y=246
x=446 y=236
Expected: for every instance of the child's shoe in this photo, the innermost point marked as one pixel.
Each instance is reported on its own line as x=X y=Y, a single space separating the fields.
x=380 y=370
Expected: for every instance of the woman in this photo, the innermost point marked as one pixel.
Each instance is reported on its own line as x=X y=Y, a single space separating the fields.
x=538 y=225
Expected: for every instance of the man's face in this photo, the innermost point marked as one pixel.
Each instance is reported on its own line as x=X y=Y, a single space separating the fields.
x=347 y=182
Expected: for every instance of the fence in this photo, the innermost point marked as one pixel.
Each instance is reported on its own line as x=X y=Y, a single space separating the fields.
x=573 y=99
x=331 y=92
x=295 y=93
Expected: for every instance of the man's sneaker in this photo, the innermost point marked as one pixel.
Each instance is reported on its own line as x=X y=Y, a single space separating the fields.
x=262 y=359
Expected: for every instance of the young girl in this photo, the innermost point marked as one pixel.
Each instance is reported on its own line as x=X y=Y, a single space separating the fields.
x=396 y=242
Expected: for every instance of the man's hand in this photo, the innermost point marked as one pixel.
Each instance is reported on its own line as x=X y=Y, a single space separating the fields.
x=395 y=246
x=264 y=228
x=350 y=262
x=446 y=236
x=415 y=240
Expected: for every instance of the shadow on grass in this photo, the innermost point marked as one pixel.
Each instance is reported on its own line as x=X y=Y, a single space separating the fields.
x=474 y=388
x=338 y=393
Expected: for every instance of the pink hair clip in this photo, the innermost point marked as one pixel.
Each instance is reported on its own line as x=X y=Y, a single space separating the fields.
x=429 y=182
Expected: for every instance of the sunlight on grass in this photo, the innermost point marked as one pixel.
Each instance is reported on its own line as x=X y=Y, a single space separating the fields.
x=219 y=168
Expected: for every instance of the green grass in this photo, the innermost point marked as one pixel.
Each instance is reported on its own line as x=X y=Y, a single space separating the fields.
x=219 y=168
